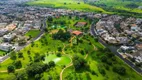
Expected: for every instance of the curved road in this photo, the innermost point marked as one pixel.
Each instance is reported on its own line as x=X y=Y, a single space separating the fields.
x=114 y=50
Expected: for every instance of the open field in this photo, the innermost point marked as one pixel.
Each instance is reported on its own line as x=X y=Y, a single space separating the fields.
x=70 y=4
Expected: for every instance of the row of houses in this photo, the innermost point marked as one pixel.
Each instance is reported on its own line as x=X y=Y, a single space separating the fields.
x=11 y=33
x=132 y=52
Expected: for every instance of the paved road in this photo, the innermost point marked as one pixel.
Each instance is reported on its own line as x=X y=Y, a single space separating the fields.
x=21 y=47
x=114 y=50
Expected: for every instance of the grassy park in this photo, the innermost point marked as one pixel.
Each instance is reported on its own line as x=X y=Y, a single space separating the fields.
x=50 y=56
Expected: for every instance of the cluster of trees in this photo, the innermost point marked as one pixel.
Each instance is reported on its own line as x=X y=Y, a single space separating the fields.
x=34 y=70
x=38 y=57
x=61 y=35
x=37 y=68
x=119 y=11
x=61 y=22
x=108 y=59
x=79 y=62
x=132 y=5
x=120 y=70
x=17 y=64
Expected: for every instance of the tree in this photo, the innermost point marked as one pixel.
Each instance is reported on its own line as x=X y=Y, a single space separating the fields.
x=35 y=68
x=104 y=59
x=42 y=57
x=21 y=75
x=20 y=55
x=13 y=56
x=37 y=57
x=18 y=64
x=65 y=3
x=50 y=19
x=28 y=52
x=79 y=62
x=61 y=35
x=51 y=63
x=11 y=69
x=10 y=76
x=120 y=70
x=59 y=54
x=37 y=77
x=59 y=49
x=102 y=71
x=88 y=76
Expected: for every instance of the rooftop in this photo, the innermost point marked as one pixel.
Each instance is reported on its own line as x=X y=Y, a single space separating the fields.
x=77 y=32
x=80 y=24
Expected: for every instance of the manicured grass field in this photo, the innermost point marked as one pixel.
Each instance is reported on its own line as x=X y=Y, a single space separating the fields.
x=63 y=60
x=32 y=33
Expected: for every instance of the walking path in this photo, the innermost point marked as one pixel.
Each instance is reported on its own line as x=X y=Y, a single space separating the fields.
x=15 y=70
x=71 y=64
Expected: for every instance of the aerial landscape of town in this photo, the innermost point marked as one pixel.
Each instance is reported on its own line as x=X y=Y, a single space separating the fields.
x=70 y=39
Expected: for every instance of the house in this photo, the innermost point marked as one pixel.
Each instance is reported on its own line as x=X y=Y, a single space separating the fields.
x=11 y=27
x=37 y=24
x=9 y=37
x=101 y=31
x=2 y=25
x=109 y=39
x=139 y=21
x=3 y=31
x=122 y=40
x=98 y=15
x=138 y=46
x=77 y=33
x=5 y=46
x=134 y=27
x=137 y=56
x=140 y=7
x=81 y=24
x=127 y=48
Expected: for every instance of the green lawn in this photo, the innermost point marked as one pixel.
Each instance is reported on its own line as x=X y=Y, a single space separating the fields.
x=32 y=33
x=63 y=60
x=2 y=52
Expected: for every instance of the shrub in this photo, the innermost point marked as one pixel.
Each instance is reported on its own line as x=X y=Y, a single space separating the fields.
x=58 y=55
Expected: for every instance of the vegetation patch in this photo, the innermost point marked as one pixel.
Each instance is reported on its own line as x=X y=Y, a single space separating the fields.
x=32 y=33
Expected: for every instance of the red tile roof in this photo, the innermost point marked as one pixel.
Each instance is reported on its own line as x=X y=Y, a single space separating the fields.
x=77 y=32
x=80 y=24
